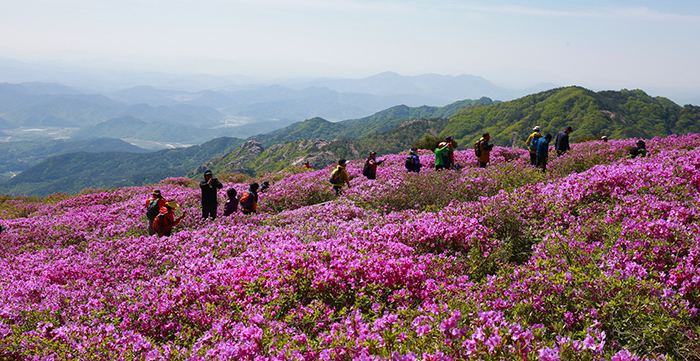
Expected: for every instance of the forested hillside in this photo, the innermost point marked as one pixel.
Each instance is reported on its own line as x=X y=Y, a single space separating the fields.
x=356 y=128
x=616 y=114
x=18 y=156
x=252 y=157
x=70 y=173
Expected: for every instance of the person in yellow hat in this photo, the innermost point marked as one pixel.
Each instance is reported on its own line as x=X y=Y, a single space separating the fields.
x=165 y=221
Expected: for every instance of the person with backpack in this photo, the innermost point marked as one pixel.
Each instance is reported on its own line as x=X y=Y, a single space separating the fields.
x=249 y=199
x=370 y=169
x=164 y=223
x=640 y=149
x=483 y=149
x=339 y=177
x=209 y=187
x=440 y=149
x=562 y=142
x=231 y=205
x=412 y=162
x=532 y=144
x=449 y=155
x=543 y=152
x=153 y=205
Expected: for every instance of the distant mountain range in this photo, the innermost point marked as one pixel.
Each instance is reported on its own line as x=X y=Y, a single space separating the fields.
x=18 y=156
x=70 y=173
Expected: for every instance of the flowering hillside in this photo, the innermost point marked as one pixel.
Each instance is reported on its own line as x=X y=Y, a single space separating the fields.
x=597 y=259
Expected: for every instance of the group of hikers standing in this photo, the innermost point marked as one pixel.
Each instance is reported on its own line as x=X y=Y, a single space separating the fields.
x=161 y=212
x=538 y=146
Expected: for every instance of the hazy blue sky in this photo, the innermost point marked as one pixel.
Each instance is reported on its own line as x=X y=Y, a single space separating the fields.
x=614 y=44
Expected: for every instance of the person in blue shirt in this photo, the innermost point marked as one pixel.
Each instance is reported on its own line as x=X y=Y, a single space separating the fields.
x=543 y=151
x=415 y=165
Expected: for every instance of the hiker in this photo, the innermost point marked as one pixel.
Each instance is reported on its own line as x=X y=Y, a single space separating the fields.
x=370 y=169
x=165 y=221
x=153 y=205
x=604 y=138
x=484 y=150
x=249 y=199
x=449 y=155
x=562 y=142
x=440 y=149
x=265 y=186
x=412 y=162
x=640 y=149
x=209 y=187
x=532 y=144
x=543 y=152
x=307 y=165
x=231 y=205
x=339 y=177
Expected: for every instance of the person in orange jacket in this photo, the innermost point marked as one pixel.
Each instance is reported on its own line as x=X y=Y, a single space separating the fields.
x=249 y=199
x=153 y=205
x=165 y=221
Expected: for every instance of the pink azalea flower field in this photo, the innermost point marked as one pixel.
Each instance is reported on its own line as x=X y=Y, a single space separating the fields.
x=598 y=259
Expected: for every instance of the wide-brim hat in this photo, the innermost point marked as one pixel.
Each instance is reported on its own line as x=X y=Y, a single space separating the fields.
x=536 y=128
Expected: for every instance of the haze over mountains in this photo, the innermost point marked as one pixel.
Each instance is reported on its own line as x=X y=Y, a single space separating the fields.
x=176 y=111
x=51 y=119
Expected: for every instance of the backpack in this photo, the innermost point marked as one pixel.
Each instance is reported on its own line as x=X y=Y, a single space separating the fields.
x=335 y=177
x=247 y=200
x=533 y=142
x=161 y=224
x=477 y=148
x=153 y=209
x=409 y=163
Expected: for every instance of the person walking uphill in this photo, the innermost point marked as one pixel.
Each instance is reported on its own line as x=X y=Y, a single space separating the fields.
x=153 y=205
x=370 y=169
x=339 y=177
x=209 y=187
x=165 y=221
x=249 y=199
x=562 y=142
x=483 y=150
x=543 y=151
x=532 y=144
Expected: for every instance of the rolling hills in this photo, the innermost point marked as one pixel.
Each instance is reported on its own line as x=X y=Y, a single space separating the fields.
x=617 y=114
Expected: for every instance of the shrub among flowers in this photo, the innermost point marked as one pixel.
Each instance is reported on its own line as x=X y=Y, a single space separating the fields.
x=596 y=259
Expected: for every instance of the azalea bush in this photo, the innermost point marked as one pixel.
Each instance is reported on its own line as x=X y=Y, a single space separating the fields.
x=597 y=259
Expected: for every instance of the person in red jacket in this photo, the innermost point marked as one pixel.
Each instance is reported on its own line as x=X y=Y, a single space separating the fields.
x=153 y=205
x=165 y=221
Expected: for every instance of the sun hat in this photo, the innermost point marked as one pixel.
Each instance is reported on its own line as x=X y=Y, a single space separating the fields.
x=536 y=128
